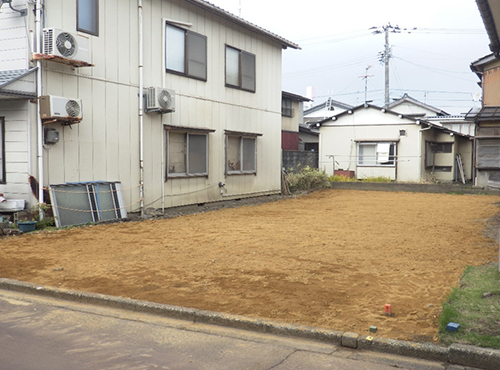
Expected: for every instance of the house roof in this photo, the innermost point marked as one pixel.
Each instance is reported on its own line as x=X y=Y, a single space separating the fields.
x=417 y=120
x=490 y=12
x=293 y=96
x=8 y=79
x=307 y=130
x=491 y=113
x=244 y=23
x=408 y=99
x=323 y=106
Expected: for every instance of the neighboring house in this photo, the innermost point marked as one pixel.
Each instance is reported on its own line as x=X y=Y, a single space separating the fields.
x=308 y=138
x=327 y=109
x=413 y=108
x=215 y=76
x=488 y=117
x=369 y=141
x=292 y=116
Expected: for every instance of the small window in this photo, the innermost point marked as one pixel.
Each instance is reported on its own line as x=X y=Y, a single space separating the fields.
x=240 y=69
x=432 y=148
x=286 y=107
x=241 y=154
x=376 y=154
x=87 y=16
x=441 y=147
x=185 y=52
x=2 y=151
x=187 y=153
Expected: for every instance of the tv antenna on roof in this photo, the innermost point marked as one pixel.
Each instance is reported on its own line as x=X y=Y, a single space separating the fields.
x=366 y=77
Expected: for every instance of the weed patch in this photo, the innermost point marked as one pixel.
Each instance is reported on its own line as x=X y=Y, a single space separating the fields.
x=475 y=305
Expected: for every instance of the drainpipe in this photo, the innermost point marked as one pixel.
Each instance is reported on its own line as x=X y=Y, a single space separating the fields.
x=38 y=49
x=141 y=105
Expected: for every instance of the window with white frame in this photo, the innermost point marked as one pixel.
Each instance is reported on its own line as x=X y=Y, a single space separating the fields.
x=187 y=153
x=185 y=52
x=87 y=16
x=376 y=154
x=2 y=151
x=241 y=153
x=240 y=69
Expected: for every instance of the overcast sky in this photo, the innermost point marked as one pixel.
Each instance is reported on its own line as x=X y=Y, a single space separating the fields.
x=431 y=64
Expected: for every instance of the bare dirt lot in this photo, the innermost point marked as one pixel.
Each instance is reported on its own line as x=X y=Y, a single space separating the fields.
x=330 y=259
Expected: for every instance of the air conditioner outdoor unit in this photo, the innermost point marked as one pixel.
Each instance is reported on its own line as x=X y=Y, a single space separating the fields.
x=56 y=107
x=66 y=45
x=159 y=99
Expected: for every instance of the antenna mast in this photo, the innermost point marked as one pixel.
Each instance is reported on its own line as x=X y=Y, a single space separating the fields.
x=366 y=77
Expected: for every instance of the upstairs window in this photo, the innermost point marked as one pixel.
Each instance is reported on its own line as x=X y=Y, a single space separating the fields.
x=185 y=52
x=286 y=107
x=87 y=16
x=240 y=69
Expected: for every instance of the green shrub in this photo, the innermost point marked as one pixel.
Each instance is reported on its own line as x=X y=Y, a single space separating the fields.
x=341 y=178
x=306 y=179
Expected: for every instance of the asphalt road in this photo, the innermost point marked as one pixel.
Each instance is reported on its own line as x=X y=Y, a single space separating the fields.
x=42 y=333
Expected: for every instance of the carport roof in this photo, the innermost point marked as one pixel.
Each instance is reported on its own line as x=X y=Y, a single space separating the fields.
x=25 y=89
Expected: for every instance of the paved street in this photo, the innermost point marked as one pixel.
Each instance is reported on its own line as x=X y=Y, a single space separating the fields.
x=41 y=333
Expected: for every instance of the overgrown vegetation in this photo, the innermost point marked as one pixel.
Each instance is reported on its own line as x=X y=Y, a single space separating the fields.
x=475 y=305
x=341 y=178
x=307 y=178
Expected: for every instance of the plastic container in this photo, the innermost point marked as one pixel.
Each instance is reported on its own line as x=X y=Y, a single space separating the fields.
x=26 y=226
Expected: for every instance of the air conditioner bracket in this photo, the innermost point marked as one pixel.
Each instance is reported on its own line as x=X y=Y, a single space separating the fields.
x=62 y=60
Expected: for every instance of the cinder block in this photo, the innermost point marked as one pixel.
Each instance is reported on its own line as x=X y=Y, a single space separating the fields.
x=350 y=340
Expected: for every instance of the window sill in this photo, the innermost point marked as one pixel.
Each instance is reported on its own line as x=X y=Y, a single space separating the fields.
x=377 y=165
x=184 y=176
x=240 y=88
x=242 y=173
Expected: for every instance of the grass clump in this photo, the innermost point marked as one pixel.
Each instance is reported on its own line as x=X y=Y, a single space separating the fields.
x=307 y=178
x=475 y=305
x=341 y=178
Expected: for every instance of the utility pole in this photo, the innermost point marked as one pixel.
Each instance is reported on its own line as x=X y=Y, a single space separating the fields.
x=365 y=77
x=386 y=55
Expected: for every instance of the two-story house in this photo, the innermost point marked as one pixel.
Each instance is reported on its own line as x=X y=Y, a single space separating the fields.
x=488 y=117
x=168 y=102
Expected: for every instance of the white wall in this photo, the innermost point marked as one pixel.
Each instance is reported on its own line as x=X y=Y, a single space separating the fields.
x=18 y=156
x=105 y=145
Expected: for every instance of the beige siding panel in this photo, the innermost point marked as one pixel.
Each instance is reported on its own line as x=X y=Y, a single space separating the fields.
x=491 y=87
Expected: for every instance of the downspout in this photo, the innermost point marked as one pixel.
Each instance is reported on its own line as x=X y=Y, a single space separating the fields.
x=141 y=105
x=38 y=49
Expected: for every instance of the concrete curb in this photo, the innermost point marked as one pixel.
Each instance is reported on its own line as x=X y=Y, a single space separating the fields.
x=459 y=354
x=416 y=188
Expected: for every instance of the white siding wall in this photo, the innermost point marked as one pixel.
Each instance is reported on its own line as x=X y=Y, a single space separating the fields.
x=14 y=43
x=105 y=145
x=17 y=151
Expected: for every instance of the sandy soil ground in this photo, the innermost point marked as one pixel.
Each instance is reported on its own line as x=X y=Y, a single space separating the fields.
x=330 y=259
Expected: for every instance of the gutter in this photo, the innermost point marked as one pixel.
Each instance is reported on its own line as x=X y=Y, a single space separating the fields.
x=489 y=25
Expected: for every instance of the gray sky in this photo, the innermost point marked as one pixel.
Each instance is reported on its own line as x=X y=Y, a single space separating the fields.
x=431 y=64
